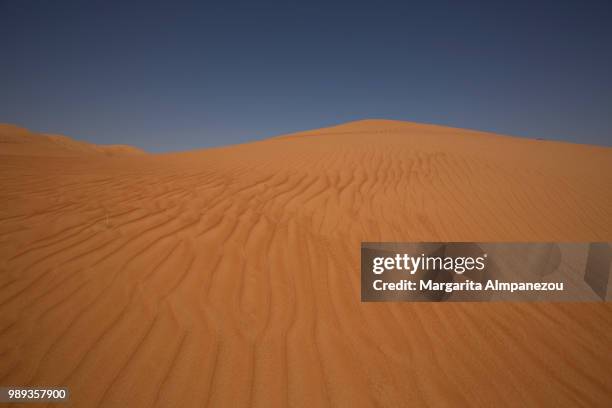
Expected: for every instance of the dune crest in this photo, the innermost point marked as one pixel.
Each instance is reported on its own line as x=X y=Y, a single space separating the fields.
x=15 y=140
x=230 y=276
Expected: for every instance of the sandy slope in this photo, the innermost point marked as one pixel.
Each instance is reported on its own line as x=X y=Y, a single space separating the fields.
x=230 y=276
x=19 y=141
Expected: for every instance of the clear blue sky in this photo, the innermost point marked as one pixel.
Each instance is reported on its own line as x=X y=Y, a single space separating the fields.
x=181 y=75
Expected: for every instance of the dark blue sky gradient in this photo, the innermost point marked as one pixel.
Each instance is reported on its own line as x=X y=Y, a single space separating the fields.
x=183 y=75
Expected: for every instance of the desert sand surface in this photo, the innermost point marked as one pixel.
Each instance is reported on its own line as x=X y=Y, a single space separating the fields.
x=15 y=140
x=229 y=277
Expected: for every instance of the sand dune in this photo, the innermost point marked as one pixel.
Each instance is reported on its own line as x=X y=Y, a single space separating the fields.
x=230 y=276
x=19 y=141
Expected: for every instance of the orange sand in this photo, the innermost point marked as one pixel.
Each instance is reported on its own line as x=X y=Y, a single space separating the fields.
x=230 y=276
